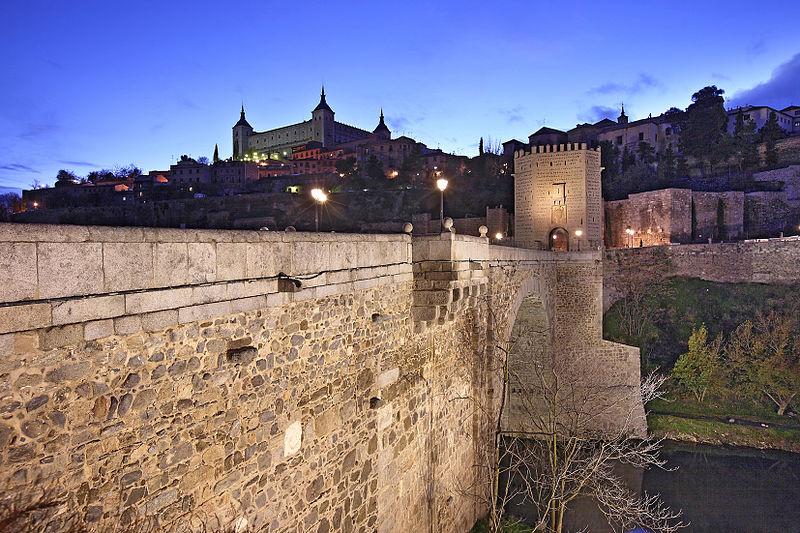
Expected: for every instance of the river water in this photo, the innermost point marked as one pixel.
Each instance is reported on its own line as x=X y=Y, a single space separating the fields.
x=720 y=489
x=729 y=489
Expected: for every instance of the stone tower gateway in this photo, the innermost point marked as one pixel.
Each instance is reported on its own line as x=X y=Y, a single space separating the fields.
x=557 y=197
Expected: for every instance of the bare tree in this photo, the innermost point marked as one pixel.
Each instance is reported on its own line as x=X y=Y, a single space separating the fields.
x=561 y=446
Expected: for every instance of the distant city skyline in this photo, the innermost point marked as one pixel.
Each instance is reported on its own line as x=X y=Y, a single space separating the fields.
x=95 y=85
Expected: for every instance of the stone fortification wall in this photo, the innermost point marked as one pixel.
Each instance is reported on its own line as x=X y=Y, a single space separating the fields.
x=759 y=262
x=167 y=372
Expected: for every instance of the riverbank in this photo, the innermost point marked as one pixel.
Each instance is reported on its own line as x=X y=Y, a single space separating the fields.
x=722 y=425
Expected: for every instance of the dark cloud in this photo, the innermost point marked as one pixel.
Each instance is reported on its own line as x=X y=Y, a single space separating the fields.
x=79 y=164
x=16 y=167
x=597 y=113
x=642 y=83
x=779 y=91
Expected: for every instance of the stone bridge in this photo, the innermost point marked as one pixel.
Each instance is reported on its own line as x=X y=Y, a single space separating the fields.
x=287 y=381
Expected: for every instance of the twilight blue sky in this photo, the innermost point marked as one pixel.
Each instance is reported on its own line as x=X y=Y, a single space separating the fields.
x=90 y=85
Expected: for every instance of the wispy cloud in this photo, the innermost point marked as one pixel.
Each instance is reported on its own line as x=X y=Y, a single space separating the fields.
x=780 y=90
x=642 y=83
x=79 y=164
x=512 y=114
x=597 y=113
x=757 y=48
x=17 y=167
x=52 y=63
x=188 y=103
x=32 y=131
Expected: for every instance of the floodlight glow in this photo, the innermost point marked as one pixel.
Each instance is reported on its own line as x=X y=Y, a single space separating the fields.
x=441 y=184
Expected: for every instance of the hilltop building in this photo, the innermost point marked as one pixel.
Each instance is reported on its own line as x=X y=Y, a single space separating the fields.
x=788 y=117
x=278 y=142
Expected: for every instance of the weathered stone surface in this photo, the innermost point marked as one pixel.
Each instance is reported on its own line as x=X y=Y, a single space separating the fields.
x=24 y=317
x=127 y=266
x=17 y=271
x=69 y=269
x=68 y=372
x=72 y=311
x=171 y=265
x=59 y=336
x=37 y=402
x=241 y=356
x=98 y=329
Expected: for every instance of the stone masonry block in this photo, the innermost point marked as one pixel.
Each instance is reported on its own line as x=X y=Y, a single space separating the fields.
x=245 y=289
x=343 y=256
x=388 y=377
x=98 y=329
x=159 y=320
x=24 y=317
x=125 y=325
x=171 y=267
x=156 y=300
x=202 y=262
x=17 y=271
x=127 y=266
x=209 y=293
x=311 y=257
x=282 y=258
x=84 y=309
x=260 y=260
x=248 y=304
x=202 y=312
x=69 y=269
x=427 y=298
x=231 y=260
x=425 y=314
x=59 y=336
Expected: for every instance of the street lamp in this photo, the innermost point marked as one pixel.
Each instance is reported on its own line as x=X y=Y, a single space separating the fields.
x=441 y=184
x=629 y=231
x=319 y=197
x=578 y=234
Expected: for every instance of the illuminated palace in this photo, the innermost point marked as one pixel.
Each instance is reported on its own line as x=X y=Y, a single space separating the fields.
x=278 y=143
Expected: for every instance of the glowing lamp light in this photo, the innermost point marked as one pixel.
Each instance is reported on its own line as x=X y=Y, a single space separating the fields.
x=578 y=232
x=555 y=237
x=319 y=195
x=499 y=236
x=441 y=184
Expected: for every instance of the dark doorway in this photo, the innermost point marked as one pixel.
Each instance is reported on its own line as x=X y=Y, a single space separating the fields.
x=559 y=240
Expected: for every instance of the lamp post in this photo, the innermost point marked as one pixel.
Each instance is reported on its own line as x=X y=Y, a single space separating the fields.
x=578 y=234
x=629 y=231
x=319 y=197
x=441 y=184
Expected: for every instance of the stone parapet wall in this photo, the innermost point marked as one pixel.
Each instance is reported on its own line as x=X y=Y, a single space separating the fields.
x=123 y=280
x=774 y=261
